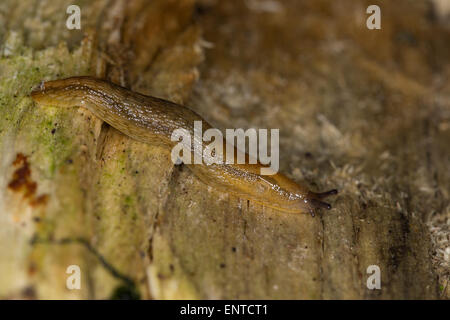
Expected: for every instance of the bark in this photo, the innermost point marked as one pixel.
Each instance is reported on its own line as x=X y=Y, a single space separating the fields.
x=363 y=111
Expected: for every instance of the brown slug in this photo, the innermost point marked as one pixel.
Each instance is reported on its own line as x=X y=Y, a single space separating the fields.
x=152 y=120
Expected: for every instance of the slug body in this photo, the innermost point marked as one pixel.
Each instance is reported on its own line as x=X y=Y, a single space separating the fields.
x=152 y=120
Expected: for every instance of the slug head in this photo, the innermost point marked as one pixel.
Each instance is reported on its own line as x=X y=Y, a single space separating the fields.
x=68 y=92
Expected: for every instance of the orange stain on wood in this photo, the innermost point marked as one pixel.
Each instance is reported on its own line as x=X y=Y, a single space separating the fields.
x=21 y=181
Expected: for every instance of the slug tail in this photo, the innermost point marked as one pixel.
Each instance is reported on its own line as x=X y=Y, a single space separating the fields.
x=315 y=200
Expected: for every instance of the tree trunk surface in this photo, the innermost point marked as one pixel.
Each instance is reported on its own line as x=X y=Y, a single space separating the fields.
x=364 y=111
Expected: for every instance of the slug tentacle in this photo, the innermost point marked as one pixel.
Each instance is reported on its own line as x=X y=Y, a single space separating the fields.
x=315 y=199
x=152 y=120
x=325 y=194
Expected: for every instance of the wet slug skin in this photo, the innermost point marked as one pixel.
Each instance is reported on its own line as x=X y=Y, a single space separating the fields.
x=152 y=120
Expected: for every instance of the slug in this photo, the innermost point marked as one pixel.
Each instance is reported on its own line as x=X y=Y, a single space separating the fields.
x=152 y=120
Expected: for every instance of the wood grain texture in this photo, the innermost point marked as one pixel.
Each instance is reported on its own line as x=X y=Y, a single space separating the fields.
x=364 y=111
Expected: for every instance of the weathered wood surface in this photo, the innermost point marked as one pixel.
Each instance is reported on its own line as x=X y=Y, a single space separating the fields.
x=364 y=111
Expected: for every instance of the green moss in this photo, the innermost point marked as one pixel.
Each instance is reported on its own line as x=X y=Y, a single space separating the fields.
x=129 y=206
x=54 y=147
x=17 y=110
x=128 y=200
